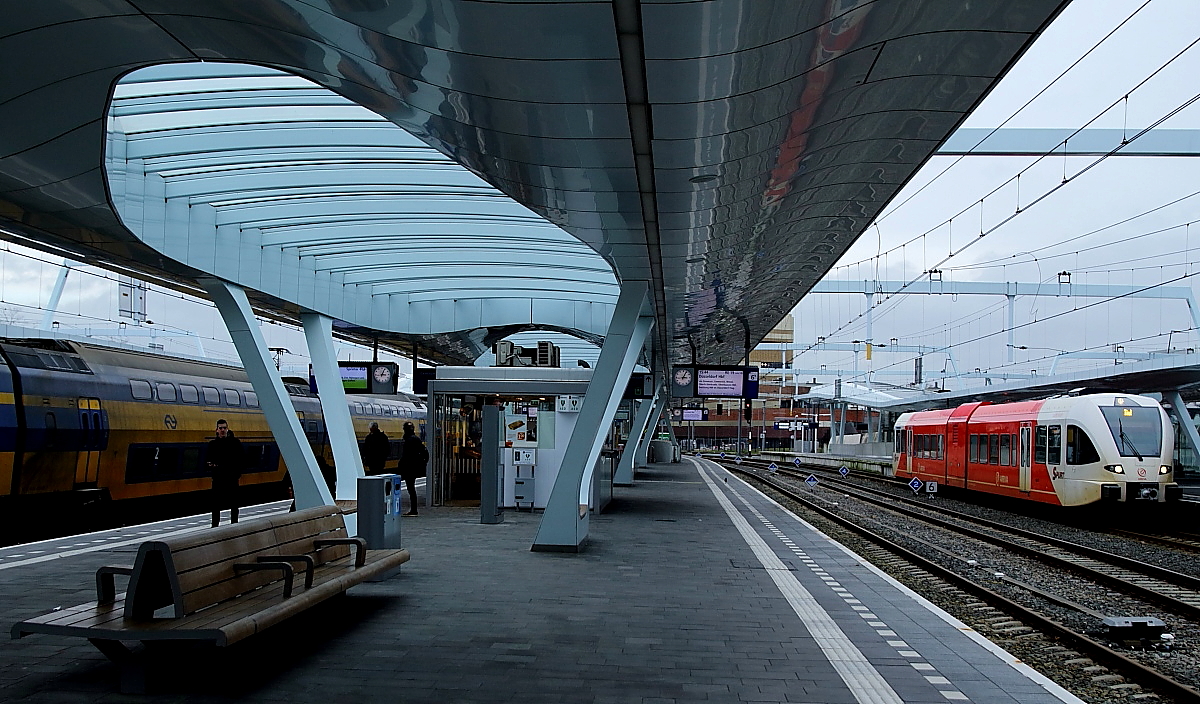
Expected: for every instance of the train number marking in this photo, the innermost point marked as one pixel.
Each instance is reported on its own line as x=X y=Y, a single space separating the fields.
x=170 y=422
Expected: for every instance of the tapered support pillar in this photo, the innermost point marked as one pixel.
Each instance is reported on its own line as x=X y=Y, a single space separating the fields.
x=307 y=483
x=623 y=476
x=643 y=451
x=564 y=524
x=1185 y=420
x=318 y=333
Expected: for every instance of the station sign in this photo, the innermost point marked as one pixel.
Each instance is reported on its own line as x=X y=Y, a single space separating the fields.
x=369 y=377
x=568 y=404
x=714 y=381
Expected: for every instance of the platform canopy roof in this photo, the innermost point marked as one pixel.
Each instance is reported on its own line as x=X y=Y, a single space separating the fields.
x=450 y=172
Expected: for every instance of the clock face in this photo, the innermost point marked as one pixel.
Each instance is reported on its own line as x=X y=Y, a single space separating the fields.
x=683 y=377
x=383 y=375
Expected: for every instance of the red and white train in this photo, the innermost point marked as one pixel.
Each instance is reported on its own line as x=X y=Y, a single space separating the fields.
x=1064 y=451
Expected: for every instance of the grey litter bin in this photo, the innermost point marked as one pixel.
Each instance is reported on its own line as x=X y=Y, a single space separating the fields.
x=379 y=510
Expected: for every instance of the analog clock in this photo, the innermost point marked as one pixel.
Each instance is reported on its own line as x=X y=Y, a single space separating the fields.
x=383 y=374
x=683 y=377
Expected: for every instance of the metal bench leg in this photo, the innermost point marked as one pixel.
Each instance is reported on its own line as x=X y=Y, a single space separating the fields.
x=133 y=668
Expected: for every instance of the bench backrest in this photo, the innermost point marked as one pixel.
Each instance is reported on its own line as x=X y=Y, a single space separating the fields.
x=185 y=574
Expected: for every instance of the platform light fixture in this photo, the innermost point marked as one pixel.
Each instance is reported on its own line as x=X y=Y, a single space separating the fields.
x=1064 y=277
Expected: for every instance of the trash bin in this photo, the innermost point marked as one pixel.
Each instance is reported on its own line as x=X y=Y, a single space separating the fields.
x=379 y=510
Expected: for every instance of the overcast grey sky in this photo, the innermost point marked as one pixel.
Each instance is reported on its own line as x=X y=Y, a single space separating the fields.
x=1031 y=247
x=1052 y=235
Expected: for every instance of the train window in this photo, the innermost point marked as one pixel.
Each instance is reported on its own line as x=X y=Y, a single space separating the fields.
x=973 y=449
x=994 y=449
x=358 y=408
x=1005 y=455
x=141 y=389
x=1039 y=445
x=375 y=407
x=211 y=396
x=232 y=397
x=1080 y=449
x=1054 y=444
x=251 y=399
x=188 y=393
x=166 y=392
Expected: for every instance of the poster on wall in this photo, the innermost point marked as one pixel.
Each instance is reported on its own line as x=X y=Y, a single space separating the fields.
x=520 y=430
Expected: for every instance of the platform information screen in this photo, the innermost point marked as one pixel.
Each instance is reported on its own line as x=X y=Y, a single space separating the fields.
x=719 y=382
x=714 y=381
x=354 y=378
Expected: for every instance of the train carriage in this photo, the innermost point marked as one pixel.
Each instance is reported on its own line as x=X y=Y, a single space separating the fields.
x=1063 y=451
x=82 y=423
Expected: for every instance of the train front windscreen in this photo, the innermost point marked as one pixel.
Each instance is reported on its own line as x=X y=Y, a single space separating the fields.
x=1136 y=430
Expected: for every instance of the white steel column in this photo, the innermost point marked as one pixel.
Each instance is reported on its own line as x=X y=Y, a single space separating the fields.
x=623 y=476
x=307 y=482
x=1185 y=420
x=318 y=333
x=643 y=451
x=564 y=524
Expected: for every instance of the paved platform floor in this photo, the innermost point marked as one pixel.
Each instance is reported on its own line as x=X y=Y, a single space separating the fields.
x=693 y=588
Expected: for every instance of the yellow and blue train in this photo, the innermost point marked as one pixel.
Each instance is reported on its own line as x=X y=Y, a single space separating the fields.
x=96 y=433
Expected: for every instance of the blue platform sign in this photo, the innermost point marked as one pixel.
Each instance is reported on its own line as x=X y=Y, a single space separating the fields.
x=916 y=484
x=738 y=459
x=722 y=455
x=772 y=467
x=811 y=480
x=844 y=470
x=796 y=461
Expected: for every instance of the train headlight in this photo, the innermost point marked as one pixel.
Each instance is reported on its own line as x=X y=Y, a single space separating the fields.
x=1115 y=468
x=1165 y=469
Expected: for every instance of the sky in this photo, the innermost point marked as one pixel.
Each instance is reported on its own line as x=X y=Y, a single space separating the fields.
x=1122 y=221
x=1111 y=223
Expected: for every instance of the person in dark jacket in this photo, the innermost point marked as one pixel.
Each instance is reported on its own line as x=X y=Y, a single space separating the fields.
x=375 y=450
x=413 y=458
x=225 y=461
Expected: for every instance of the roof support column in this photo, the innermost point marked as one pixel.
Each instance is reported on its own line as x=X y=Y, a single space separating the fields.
x=564 y=524
x=643 y=450
x=307 y=483
x=1185 y=420
x=318 y=333
x=623 y=476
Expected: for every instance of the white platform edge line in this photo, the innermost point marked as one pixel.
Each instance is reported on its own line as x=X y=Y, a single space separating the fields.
x=862 y=679
x=1008 y=658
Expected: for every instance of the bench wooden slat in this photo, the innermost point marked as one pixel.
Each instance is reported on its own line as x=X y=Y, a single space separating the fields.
x=188 y=588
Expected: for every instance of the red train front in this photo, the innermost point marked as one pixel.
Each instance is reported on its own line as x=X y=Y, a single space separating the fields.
x=1065 y=451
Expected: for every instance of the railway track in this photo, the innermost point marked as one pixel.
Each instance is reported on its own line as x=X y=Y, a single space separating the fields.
x=1012 y=614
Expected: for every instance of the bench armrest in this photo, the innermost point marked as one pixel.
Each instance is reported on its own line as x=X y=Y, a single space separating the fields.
x=106 y=587
x=289 y=574
x=310 y=565
x=360 y=547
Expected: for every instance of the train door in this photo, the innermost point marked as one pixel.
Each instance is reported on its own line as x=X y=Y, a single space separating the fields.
x=911 y=450
x=1025 y=455
x=93 y=437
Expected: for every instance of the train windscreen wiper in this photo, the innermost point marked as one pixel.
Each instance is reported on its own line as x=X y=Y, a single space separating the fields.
x=1126 y=441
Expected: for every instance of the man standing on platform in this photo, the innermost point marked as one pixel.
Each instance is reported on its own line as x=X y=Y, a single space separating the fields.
x=413 y=458
x=225 y=462
x=375 y=450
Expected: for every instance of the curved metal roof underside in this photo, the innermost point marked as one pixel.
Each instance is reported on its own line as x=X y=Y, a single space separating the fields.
x=279 y=185
x=727 y=152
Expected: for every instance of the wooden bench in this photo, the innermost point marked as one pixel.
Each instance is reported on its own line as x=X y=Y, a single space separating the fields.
x=219 y=586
